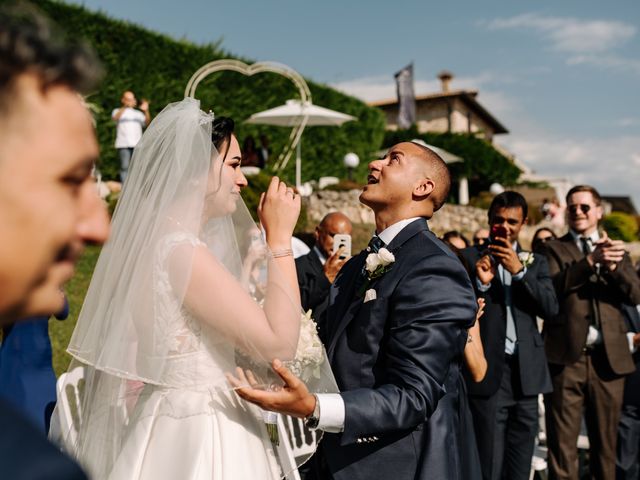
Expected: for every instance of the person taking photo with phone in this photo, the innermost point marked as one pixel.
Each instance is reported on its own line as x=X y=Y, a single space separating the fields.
x=318 y=269
x=516 y=287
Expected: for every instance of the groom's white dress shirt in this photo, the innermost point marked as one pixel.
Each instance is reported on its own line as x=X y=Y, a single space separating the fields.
x=332 y=410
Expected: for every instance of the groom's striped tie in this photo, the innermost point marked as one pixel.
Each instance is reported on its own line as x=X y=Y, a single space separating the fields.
x=375 y=244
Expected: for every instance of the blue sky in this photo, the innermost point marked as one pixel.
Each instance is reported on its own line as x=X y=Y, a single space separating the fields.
x=563 y=77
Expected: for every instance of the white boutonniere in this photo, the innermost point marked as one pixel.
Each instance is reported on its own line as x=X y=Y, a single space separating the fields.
x=526 y=258
x=377 y=264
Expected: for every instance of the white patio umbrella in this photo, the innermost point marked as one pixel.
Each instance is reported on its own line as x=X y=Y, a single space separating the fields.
x=294 y=113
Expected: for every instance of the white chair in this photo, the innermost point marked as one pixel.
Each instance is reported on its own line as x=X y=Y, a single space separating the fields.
x=295 y=441
x=68 y=389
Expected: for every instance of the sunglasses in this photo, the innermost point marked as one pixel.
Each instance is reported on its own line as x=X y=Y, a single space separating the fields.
x=573 y=209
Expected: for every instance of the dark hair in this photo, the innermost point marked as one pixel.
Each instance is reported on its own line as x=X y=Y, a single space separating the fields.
x=537 y=243
x=585 y=188
x=508 y=199
x=221 y=131
x=30 y=44
x=446 y=238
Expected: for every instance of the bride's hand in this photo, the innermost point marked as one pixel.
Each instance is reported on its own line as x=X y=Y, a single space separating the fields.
x=278 y=211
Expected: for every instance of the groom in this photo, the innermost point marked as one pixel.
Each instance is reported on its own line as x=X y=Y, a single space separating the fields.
x=395 y=342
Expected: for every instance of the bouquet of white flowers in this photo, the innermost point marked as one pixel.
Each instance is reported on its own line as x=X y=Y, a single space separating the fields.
x=309 y=354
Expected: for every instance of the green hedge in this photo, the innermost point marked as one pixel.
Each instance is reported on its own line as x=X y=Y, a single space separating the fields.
x=483 y=164
x=621 y=226
x=158 y=67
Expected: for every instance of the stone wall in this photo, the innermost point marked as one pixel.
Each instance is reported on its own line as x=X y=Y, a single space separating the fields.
x=450 y=217
x=465 y=219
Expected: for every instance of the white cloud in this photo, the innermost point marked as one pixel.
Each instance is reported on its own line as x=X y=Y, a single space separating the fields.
x=607 y=61
x=568 y=34
x=628 y=122
x=609 y=164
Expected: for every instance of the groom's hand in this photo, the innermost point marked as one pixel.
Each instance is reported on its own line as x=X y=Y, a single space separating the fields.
x=293 y=398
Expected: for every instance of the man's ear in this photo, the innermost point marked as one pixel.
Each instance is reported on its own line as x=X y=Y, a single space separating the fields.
x=423 y=188
x=599 y=212
x=316 y=233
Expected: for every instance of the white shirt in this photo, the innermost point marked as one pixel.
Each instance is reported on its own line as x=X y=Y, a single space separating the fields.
x=128 y=127
x=594 y=335
x=332 y=409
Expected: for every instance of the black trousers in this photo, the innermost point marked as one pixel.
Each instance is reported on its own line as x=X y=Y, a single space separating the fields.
x=628 y=449
x=506 y=425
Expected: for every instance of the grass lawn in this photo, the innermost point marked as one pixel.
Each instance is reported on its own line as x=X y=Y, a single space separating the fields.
x=60 y=331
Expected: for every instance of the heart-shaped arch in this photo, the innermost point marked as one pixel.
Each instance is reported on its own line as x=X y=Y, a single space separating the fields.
x=249 y=70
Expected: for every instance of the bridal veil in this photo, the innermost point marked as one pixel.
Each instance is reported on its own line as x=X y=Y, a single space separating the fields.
x=137 y=334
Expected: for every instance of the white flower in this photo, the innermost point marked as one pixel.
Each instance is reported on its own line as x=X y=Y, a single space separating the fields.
x=372 y=262
x=386 y=257
x=526 y=258
x=309 y=354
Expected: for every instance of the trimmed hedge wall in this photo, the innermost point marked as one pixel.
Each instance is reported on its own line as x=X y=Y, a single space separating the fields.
x=157 y=67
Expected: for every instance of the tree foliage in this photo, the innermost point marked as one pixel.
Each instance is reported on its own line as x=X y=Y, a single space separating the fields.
x=621 y=226
x=157 y=67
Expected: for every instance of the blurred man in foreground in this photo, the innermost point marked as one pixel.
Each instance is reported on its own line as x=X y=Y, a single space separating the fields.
x=48 y=201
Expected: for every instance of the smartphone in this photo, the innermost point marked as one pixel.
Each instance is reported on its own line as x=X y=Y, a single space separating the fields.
x=340 y=240
x=498 y=231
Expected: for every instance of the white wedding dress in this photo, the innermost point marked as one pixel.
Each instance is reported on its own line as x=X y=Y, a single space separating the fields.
x=186 y=431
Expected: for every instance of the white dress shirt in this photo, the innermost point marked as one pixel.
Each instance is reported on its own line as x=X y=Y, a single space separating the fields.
x=332 y=409
x=594 y=335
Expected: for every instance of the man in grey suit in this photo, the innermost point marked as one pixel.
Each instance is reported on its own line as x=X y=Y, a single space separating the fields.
x=395 y=340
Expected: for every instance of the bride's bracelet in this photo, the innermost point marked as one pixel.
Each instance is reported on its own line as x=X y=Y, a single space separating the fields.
x=285 y=252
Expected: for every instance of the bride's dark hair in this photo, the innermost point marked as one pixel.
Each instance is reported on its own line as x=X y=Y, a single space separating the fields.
x=221 y=131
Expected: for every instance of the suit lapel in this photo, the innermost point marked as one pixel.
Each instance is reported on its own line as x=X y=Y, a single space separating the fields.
x=572 y=249
x=353 y=302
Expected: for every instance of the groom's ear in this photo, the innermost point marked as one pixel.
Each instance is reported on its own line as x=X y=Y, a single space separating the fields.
x=423 y=188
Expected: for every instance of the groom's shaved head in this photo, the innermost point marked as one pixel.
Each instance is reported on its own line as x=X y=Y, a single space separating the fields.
x=436 y=170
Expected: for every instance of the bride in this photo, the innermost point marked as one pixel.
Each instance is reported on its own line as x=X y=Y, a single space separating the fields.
x=171 y=310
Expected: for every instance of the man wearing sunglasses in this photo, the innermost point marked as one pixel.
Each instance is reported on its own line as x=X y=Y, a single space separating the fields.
x=586 y=342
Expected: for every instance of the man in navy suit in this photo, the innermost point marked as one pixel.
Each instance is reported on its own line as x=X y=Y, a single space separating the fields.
x=394 y=338
x=318 y=269
x=517 y=287
x=49 y=206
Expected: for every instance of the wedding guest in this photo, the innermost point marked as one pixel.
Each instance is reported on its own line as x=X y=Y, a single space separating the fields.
x=540 y=237
x=318 y=269
x=586 y=342
x=49 y=207
x=628 y=448
x=481 y=236
x=27 y=379
x=516 y=287
x=264 y=152
x=455 y=239
x=250 y=157
x=129 y=125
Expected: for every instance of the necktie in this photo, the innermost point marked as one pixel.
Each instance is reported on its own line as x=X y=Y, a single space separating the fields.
x=375 y=244
x=585 y=243
x=511 y=334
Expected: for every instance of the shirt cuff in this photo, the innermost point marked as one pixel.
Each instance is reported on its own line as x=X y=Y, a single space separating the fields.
x=632 y=347
x=481 y=286
x=332 y=412
x=520 y=275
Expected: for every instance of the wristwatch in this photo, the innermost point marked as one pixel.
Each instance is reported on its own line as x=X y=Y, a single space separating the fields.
x=312 y=421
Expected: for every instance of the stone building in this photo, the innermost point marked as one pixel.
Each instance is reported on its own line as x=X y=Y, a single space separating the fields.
x=456 y=111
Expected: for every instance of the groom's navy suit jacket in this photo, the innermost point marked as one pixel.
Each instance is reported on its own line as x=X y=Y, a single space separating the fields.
x=397 y=360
